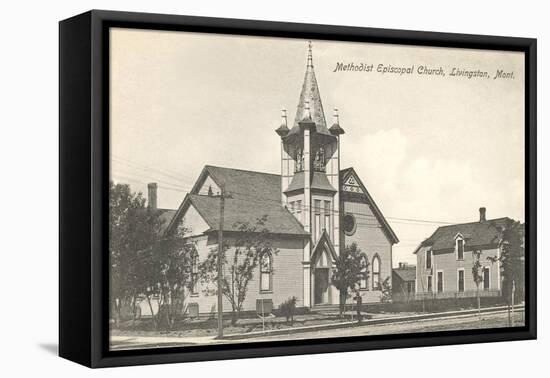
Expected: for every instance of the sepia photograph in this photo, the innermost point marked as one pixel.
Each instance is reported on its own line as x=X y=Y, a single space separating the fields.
x=267 y=188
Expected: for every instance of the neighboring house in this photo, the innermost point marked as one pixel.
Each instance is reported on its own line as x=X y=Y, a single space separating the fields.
x=445 y=259
x=403 y=282
x=313 y=210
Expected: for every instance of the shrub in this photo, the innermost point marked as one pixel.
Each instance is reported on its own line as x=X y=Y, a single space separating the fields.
x=288 y=308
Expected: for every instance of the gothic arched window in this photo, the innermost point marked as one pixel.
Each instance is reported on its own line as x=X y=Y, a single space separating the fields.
x=376 y=272
x=364 y=271
x=266 y=263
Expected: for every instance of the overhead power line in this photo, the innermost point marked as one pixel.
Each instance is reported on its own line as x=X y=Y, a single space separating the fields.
x=261 y=200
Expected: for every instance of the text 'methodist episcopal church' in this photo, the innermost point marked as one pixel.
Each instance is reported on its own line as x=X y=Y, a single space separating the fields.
x=314 y=209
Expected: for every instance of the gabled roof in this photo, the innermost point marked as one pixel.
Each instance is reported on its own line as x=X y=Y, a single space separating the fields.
x=344 y=174
x=475 y=234
x=253 y=195
x=322 y=244
x=406 y=274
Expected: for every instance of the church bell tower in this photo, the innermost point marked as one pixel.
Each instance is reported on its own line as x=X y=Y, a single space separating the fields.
x=310 y=169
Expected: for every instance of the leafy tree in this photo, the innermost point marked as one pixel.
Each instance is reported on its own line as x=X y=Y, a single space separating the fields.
x=165 y=273
x=240 y=262
x=512 y=261
x=132 y=228
x=349 y=269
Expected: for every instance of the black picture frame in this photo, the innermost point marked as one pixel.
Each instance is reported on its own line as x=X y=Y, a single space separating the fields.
x=84 y=177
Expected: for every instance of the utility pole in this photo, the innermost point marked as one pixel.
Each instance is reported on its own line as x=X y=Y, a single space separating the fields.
x=220 y=263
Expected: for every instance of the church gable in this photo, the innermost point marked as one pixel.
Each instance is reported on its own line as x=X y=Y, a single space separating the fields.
x=209 y=186
x=352 y=185
x=353 y=190
x=192 y=222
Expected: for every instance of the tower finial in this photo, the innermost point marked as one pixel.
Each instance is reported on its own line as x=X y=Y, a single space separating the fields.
x=283 y=116
x=336 y=117
x=309 y=55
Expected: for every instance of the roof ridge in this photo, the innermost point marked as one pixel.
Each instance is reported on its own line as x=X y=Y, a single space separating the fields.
x=241 y=170
x=474 y=222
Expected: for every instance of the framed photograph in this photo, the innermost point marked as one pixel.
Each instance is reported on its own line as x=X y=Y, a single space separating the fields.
x=234 y=188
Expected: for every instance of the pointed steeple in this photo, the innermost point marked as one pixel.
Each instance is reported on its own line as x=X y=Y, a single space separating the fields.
x=310 y=97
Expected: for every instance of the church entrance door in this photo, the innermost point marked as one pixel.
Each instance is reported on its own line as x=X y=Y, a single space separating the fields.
x=321 y=285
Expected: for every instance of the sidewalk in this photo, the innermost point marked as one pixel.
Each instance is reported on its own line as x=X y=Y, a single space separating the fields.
x=129 y=342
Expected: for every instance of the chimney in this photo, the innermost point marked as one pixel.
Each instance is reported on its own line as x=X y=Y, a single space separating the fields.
x=152 y=195
x=482 y=214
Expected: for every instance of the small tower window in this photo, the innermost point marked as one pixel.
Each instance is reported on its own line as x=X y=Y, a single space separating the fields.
x=327 y=216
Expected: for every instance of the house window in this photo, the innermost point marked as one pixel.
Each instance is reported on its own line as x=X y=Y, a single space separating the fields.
x=327 y=216
x=460 y=280
x=409 y=287
x=429 y=259
x=292 y=207
x=364 y=271
x=486 y=278
x=430 y=285
x=440 y=282
x=299 y=206
x=376 y=273
x=195 y=274
x=265 y=272
x=460 y=249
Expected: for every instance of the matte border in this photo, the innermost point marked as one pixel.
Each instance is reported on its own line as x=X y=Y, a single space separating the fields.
x=101 y=21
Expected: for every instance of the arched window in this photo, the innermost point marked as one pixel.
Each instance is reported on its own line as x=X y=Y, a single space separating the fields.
x=376 y=273
x=195 y=273
x=364 y=271
x=265 y=272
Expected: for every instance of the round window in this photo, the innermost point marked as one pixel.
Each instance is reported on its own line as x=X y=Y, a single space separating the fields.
x=349 y=224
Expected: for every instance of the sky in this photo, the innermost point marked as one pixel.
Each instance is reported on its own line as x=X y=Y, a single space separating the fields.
x=430 y=148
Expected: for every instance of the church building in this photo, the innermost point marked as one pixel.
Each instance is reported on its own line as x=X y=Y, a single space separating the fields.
x=313 y=209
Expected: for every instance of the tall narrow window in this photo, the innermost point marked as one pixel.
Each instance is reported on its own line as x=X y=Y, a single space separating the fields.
x=292 y=207
x=364 y=270
x=486 y=278
x=460 y=249
x=265 y=272
x=439 y=282
x=429 y=259
x=326 y=213
x=299 y=210
x=317 y=208
x=461 y=280
x=376 y=273
x=430 y=285
x=195 y=274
